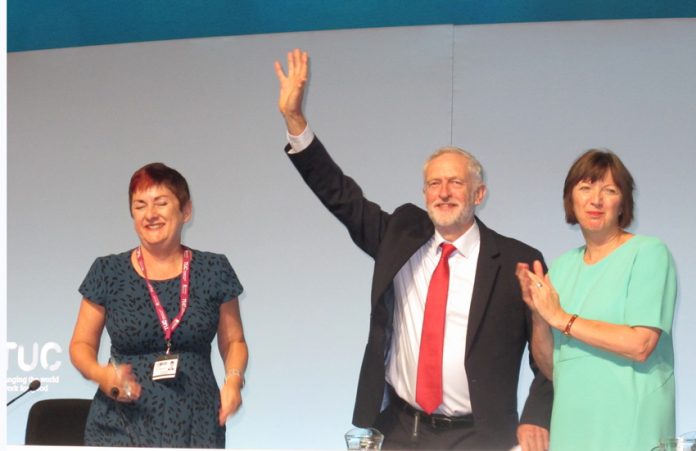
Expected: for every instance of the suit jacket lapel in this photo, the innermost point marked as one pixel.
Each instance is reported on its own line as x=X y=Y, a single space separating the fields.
x=487 y=269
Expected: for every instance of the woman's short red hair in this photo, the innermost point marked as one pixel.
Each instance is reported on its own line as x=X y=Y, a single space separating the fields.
x=156 y=174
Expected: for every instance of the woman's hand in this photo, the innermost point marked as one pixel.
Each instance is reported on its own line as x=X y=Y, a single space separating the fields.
x=230 y=398
x=119 y=383
x=540 y=295
x=541 y=339
x=84 y=347
x=522 y=273
x=234 y=352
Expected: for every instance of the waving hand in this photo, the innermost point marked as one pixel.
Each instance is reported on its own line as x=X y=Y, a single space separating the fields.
x=292 y=87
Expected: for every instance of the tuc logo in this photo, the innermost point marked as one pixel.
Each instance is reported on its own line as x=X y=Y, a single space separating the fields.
x=28 y=360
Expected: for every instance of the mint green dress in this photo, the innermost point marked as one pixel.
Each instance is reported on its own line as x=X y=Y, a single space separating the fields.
x=603 y=401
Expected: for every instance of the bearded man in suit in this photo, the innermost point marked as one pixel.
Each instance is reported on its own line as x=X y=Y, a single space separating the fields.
x=467 y=398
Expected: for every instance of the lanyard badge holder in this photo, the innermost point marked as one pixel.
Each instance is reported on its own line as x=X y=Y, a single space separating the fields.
x=165 y=366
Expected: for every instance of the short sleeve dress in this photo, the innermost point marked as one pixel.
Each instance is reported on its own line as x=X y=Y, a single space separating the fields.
x=603 y=401
x=182 y=412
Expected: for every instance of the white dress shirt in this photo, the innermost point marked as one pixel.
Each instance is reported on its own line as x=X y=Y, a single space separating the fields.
x=410 y=293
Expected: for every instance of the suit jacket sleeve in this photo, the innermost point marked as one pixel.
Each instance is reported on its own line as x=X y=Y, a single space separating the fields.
x=342 y=196
x=537 y=408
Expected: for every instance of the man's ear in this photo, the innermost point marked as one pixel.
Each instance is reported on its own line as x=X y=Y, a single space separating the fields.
x=480 y=194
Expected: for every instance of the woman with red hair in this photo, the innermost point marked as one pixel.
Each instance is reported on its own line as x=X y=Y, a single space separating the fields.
x=162 y=304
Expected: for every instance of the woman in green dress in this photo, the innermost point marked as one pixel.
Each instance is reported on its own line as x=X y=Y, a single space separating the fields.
x=603 y=319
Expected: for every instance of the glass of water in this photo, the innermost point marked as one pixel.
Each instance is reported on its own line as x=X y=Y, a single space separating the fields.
x=364 y=438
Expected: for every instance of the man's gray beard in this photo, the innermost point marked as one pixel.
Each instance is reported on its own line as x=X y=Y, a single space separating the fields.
x=459 y=219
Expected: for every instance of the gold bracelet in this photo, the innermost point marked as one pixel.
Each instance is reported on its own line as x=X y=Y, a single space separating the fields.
x=566 y=331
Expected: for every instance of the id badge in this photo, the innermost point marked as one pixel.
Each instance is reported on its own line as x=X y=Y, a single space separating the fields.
x=165 y=367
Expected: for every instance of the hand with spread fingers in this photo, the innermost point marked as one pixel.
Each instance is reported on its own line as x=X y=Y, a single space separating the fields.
x=292 y=87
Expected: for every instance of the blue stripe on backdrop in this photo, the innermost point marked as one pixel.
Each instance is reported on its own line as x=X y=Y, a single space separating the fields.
x=46 y=24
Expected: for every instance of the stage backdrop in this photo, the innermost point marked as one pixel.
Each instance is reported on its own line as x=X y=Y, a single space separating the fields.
x=525 y=98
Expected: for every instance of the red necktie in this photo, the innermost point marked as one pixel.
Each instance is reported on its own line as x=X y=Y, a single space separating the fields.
x=429 y=378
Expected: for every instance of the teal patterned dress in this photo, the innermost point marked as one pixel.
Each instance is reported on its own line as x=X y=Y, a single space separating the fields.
x=175 y=413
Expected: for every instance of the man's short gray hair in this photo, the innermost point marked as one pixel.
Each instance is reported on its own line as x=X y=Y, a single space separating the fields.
x=475 y=167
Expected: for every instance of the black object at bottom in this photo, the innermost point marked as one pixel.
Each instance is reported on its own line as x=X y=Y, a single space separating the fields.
x=57 y=422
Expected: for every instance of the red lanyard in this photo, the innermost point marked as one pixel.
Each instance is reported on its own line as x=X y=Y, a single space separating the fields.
x=168 y=328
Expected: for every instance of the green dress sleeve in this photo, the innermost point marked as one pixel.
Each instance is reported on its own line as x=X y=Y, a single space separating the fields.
x=652 y=287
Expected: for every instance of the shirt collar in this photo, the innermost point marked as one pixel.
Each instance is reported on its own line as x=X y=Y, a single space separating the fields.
x=465 y=244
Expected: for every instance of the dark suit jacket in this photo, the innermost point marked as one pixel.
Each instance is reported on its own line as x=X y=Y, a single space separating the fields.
x=499 y=322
